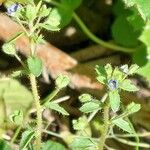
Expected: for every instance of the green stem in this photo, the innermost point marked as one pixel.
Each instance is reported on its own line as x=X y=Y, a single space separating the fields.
x=92 y=36
x=98 y=40
x=16 y=134
x=105 y=127
x=137 y=139
x=144 y=145
x=51 y=96
x=38 y=109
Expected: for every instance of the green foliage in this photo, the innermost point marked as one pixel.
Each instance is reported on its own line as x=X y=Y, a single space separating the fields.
x=81 y=143
x=124 y=125
x=124 y=33
x=56 y=107
x=85 y=98
x=27 y=136
x=65 y=11
x=4 y=145
x=34 y=65
x=62 y=81
x=128 y=86
x=133 y=108
x=9 y=49
x=17 y=117
x=51 y=145
x=15 y=96
x=53 y=21
x=114 y=99
x=142 y=7
x=141 y=57
x=90 y=106
x=80 y=124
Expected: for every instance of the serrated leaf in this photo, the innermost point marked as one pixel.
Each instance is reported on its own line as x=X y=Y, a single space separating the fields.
x=114 y=99
x=90 y=107
x=27 y=136
x=81 y=143
x=133 y=107
x=51 y=145
x=122 y=124
x=128 y=86
x=57 y=108
x=35 y=65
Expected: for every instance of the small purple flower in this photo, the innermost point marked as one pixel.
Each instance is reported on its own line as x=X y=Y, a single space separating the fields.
x=112 y=84
x=12 y=9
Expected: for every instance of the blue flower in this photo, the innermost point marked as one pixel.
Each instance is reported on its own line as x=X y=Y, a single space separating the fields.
x=12 y=9
x=112 y=84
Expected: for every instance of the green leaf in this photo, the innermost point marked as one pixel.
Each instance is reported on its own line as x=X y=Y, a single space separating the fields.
x=102 y=75
x=85 y=98
x=4 y=145
x=56 y=107
x=51 y=145
x=53 y=20
x=62 y=81
x=136 y=21
x=44 y=11
x=65 y=16
x=80 y=124
x=109 y=70
x=9 y=49
x=90 y=107
x=114 y=99
x=124 y=33
x=145 y=38
x=17 y=117
x=133 y=69
x=17 y=73
x=31 y=12
x=133 y=108
x=15 y=96
x=124 y=125
x=81 y=143
x=35 y=65
x=27 y=136
x=72 y=4
x=142 y=7
x=128 y=86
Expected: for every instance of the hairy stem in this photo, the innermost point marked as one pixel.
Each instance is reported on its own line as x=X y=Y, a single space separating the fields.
x=38 y=109
x=105 y=127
